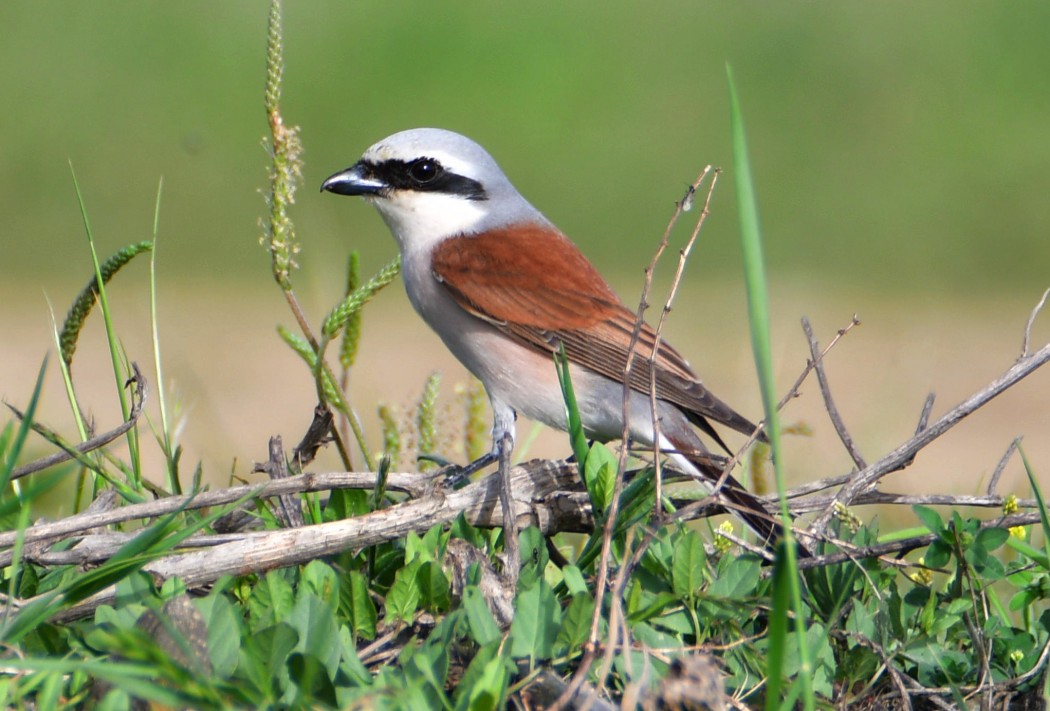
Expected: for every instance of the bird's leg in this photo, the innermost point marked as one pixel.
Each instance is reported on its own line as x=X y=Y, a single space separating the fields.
x=511 y=550
x=457 y=476
x=502 y=447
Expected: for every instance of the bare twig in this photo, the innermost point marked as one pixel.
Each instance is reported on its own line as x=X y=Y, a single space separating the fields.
x=289 y=511
x=793 y=391
x=562 y=508
x=138 y=400
x=883 y=551
x=993 y=483
x=1031 y=322
x=683 y=256
x=603 y=566
x=829 y=402
x=884 y=498
x=895 y=459
x=924 y=415
x=812 y=363
x=412 y=484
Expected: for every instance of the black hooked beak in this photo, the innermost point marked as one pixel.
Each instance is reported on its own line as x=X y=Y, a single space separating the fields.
x=355 y=180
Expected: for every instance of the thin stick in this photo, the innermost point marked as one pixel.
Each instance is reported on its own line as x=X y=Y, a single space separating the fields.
x=829 y=402
x=907 y=451
x=632 y=348
x=1031 y=322
x=683 y=256
x=792 y=393
x=993 y=484
x=924 y=415
x=138 y=400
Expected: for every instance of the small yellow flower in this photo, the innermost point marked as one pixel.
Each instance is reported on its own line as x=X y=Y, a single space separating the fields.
x=723 y=544
x=922 y=576
x=1019 y=532
x=1010 y=505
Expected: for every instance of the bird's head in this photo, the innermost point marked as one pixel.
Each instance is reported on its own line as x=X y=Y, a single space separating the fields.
x=430 y=184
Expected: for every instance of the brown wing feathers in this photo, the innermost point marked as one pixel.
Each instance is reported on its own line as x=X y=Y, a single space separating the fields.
x=567 y=301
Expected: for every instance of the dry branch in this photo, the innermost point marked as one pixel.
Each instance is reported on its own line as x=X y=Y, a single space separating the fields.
x=829 y=402
x=256 y=552
x=901 y=456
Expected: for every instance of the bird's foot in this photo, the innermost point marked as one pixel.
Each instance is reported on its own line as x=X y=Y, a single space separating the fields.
x=456 y=476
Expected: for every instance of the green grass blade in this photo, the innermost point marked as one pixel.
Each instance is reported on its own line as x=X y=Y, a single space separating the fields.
x=15 y=449
x=166 y=443
x=150 y=544
x=1043 y=516
x=758 y=311
x=577 y=439
x=111 y=335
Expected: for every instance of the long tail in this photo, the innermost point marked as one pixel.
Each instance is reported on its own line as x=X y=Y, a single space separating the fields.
x=704 y=467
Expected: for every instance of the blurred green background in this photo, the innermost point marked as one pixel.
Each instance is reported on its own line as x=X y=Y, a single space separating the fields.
x=900 y=152
x=895 y=145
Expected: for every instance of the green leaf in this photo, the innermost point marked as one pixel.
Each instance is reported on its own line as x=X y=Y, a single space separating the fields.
x=577 y=439
x=648 y=635
x=350 y=664
x=687 y=565
x=308 y=674
x=930 y=519
x=992 y=538
x=271 y=599
x=148 y=544
x=534 y=556
x=576 y=624
x=938 y=554
x=574 y=580
x=738 y=579
x=430 y=663
x=655 y=605
x=360 y=608
x=599 y=476
x=487 y=692
x=14 y=447
x=433 y=587
x=756 y=284
x=224 y=632
x=415 y=549
x=861 y=622
x=314 y=620
x=1044 y=515
x=461 y=528
x=780 y=642
x=537 y=618
x=482 y=625
x=403 y=598
x=319 y=578
x=265 y=655
x=483 y=684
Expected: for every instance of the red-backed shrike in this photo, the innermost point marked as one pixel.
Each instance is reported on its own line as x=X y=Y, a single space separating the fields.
x=505 y=290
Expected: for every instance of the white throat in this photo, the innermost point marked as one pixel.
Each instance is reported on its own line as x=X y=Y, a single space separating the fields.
x=419 y=221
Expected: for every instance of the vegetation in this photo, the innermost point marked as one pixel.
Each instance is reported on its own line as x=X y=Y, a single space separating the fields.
x=384 y=590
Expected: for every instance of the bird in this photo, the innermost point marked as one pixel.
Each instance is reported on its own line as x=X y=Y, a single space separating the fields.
x=506 y=290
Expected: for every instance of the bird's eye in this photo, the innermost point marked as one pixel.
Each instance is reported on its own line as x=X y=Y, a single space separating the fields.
x=424 y=170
